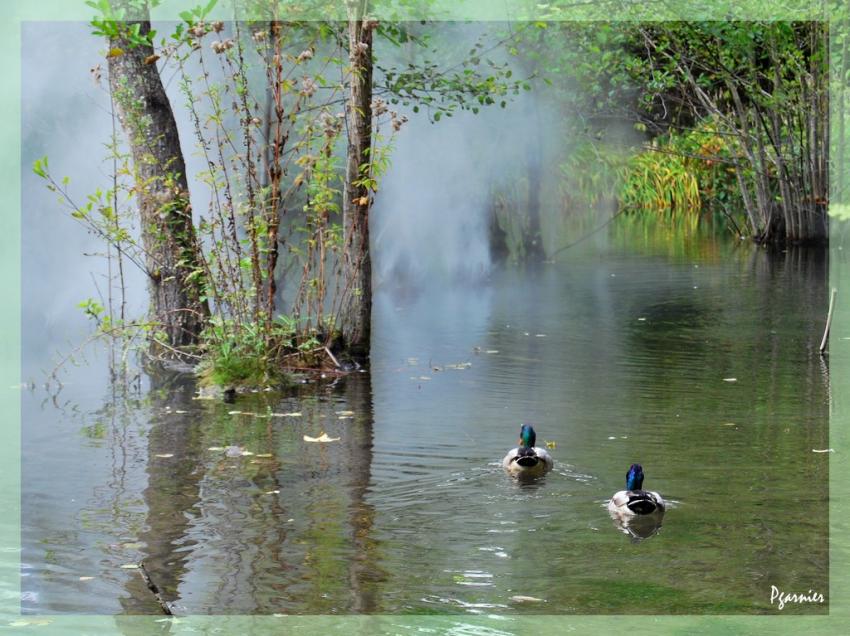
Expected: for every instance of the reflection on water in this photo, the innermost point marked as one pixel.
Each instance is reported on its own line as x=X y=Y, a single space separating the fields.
x=638 y=527
x=699 y=364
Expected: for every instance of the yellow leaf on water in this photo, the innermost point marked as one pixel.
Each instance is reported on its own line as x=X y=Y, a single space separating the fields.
x=115 y=52
x=321 y=438
x=551 y=445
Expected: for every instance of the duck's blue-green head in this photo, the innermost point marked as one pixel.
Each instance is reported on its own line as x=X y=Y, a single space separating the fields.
x=634 y=478
x=527 y=436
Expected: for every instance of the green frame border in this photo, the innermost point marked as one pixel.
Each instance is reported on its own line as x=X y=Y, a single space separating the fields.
x=14 y=12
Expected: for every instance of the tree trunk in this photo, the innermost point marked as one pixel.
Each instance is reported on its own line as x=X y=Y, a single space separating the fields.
x=172 y=253
x=357 y=266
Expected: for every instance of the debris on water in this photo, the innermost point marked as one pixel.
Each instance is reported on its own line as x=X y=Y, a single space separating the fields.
x=321 y=438
x=132 y=545
x=551 y=445
x=519 y=598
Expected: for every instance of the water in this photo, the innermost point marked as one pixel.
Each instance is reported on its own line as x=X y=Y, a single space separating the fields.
x=615 y=355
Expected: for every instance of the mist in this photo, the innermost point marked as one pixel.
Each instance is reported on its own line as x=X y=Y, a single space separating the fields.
x=432 y=213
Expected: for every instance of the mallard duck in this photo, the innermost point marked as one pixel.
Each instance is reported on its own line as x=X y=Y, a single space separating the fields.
x=634 y=500
x=527 y=460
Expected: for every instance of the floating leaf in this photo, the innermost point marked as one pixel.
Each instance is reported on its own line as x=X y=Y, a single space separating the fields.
x=321 y=438
x=526 y=599
x=25 y=622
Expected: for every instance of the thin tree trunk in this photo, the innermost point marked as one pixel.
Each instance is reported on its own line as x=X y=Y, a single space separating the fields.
x=357 y=265
x=173 y=255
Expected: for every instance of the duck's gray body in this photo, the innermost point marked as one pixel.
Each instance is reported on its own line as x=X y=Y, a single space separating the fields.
x=636 y=502
x=528 y=462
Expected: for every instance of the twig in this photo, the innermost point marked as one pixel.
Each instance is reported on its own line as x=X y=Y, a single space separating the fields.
x=828 y=320
x=332 y=357
x=155 y=590
x=586 y=236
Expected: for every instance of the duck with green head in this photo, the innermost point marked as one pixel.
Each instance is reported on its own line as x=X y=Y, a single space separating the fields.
x=634 y=500
x=527 y=460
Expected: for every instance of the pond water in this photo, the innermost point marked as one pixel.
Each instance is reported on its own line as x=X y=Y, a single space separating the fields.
x=700 y=363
